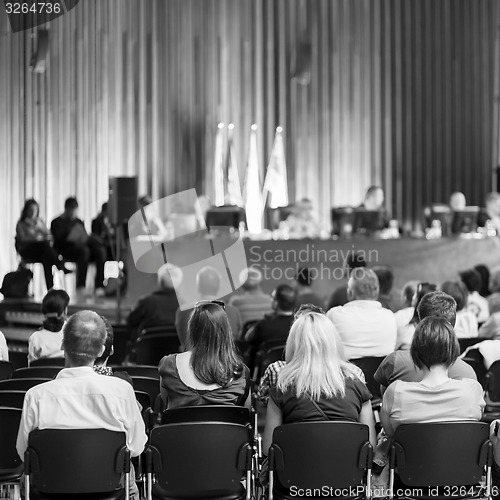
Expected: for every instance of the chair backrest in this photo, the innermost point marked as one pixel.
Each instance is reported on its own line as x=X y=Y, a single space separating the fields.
x=143 y=399
x=476 y=360
x=207 y=413
x=369 y=366
x=21 y=384
x=48 y=372
x=150 y=349
x=492 y=382
x=12 y=399
x=19 y=359
x=338 y=453
x=138 y=370
x=441 y=454
x=9 y=426
x=6 y=369
x=76 y=461
x=467 y=342
x=168 y=330
x=48 y=362
x=121 y=339
x=149 y=385
x=199 y=460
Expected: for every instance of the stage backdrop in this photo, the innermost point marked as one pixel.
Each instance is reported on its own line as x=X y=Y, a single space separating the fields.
x=401 y=93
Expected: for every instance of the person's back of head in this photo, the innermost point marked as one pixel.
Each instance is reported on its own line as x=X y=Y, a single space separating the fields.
x=355 y=260
x=363 y=285
x=208 y=281
x=285 y=298
x=485 y=279
x=438 y=304
x=209 y=338
x=54 y=306
x=169 y=276
x=408 y=291
x=251 y=279
x=71 y=203
x=83 y=338
x=385 y=279
x=471 y=279
x=495 y=281
x=108 y=343
x=434 y=343
x=457 y=291
x=304 y=277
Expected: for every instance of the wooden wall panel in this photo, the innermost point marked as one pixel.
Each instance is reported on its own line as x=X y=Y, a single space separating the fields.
x=403 y=93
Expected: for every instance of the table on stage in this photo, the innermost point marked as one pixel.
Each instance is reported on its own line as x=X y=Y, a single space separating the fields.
x=427 y=260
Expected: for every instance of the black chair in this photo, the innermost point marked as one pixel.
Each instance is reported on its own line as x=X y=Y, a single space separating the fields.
x=12 y=399
x=48 y=362
x=11 y=466
x=199 y=461
x=143 y=399
x=468 y=342
x=476 y=360
x=269 y=352
x=21 y=384
x=6 y=369
x=208 y=413
x=247 y=325
x=492 y=393
x=168 y=330
x=121 y=342
x=37 y=372
x=138 y=370
x=149 y=385
x=19 y=359
x=150 y=349
x=65 y=464
x=369 y=366
x=441 y=456
x=339 y=457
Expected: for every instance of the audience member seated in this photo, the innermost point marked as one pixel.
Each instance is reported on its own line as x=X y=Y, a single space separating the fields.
x=305 y=295
x=84 y=398
x=301 y=223
x=274 y=326
x=404 y=315
x=208 y=284
x=437 y=397
x=158 y=308
x=365 y=327
x=389 y=298
x=316 y=384
x=490 y=329
x=354 y=260
x=34 y=242
x=475 y=302
x=466 y=322
x=491 y=214
x=253 y=304
x=485 y=279
x=74 y=244
x=494 y=289
x=210 y=371
x=47 y=342
x=399 y=365
x=406 y=331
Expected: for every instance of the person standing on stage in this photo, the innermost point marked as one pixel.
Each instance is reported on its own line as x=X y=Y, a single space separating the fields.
x=74 y=244
x=34 y=242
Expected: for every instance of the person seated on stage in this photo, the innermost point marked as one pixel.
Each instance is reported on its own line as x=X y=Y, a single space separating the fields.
x=274 y=326
x=475 y=302
x=389 y=298
x=399 y=365
x=365 y=327
x=34 y=242
x=104 y=232
x=303 y=285
x=74 y=244
x=457 y=201
x=406 y=331
x=301 y=222
x=154 y=225
x=208 y=282
x=436 y=397
x=47 y=342
x=466 y=322
x=210 y=371
x=491 y=213
x=158 y=308
x=354 y=260
x=253 y=304
x=84 y=398
x=405 y=314
x=316 y=384
x=373 y=202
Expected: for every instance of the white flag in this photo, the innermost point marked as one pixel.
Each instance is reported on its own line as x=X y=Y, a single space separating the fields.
x=252 y=191
x=233 y=177
x=219 y=167
x=275 y=183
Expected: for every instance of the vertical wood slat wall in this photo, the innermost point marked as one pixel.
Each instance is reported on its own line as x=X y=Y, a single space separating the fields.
x=403 y=93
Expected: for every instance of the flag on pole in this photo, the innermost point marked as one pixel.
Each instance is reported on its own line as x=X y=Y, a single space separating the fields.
x=252 y=196
x=275 y=183
x=219 y=167
x=233 y=177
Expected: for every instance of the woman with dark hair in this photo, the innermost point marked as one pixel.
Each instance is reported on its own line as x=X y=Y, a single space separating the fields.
x=485 y=279
x=405 y=332
x=476 y=303
x=34 y=241
x=47 y=342
x=210 y=371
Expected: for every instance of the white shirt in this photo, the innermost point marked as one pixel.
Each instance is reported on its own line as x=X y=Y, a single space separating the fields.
x=466 y=325
x=365 y=327
x=479 y=306
x=404 y=316
x=4 y=350
x=45 y=344
x=79 y=398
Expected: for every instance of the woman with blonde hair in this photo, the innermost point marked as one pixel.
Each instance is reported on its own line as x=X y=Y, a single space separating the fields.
x=316 y=384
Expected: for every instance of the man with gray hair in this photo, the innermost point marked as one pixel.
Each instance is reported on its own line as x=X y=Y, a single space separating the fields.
x=80 y=398
x=365 y=327
x=158 y=308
